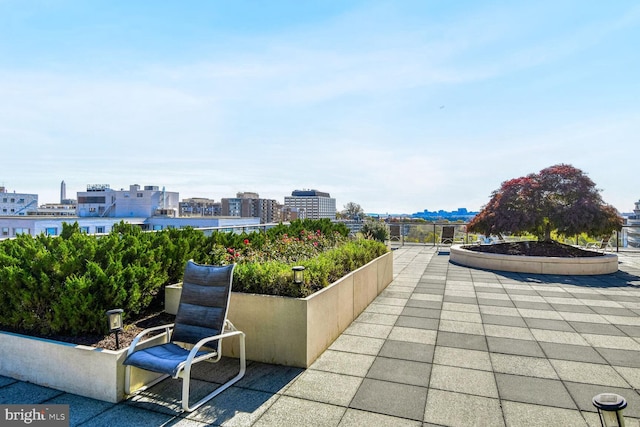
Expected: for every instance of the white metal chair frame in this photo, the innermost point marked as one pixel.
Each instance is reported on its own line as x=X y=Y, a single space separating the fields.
x=203 y=309
x=184 y=370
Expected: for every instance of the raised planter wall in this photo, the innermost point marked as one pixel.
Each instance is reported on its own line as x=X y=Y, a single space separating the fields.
x=606 y=264
x=78 y=369
x=287 y=331
x=295 y=331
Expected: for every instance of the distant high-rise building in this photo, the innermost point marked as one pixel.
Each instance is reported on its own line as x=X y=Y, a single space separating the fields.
x=198 y=206
x=250 y=205
x=63 y=192
x=312 y=204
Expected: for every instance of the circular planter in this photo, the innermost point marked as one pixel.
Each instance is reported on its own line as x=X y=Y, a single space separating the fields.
x=606 y=264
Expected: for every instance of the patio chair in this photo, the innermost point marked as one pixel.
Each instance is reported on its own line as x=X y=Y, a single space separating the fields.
x=201 y=324
x=603 y=245
x=447 y=236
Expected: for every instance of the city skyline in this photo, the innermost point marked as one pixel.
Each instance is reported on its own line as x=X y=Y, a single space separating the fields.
x=391 y=105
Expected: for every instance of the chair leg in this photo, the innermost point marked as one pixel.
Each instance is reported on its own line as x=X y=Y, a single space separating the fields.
x=186 y=380
x=127 y=382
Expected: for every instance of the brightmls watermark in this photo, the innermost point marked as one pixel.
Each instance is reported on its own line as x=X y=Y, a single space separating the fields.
x=34 y=415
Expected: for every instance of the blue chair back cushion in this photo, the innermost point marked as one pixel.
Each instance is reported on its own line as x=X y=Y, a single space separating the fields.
x=202 y=310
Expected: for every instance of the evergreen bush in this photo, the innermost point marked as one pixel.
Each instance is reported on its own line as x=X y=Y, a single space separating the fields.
x=64 y=285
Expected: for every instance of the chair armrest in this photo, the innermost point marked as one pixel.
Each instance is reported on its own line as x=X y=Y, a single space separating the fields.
x=138 y=337
x=202 y=342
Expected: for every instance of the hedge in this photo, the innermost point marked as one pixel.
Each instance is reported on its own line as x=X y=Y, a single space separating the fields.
x=64 y=285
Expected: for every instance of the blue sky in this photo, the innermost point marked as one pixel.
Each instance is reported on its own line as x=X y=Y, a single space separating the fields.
x=399 y=106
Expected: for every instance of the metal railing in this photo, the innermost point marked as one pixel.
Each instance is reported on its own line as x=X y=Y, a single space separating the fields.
x=412 y=233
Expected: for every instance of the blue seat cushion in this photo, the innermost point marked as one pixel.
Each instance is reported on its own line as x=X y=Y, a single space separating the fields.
x=164 y=358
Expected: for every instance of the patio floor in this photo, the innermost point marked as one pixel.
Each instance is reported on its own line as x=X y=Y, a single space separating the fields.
x=442 y=345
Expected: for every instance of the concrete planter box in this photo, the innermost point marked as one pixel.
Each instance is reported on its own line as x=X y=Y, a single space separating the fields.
x=605 y=264
x=295 y=331
x=285 y=331
x=78 y=369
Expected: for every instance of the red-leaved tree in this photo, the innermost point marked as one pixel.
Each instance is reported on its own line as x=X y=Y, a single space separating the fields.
x=560 y=197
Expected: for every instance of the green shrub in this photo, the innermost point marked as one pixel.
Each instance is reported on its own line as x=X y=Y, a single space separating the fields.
x=64 y=285
x=375 y=230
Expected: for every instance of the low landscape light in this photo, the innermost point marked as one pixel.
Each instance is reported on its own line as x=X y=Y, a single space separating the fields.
x=298 y=274
x=610 y=406
x=115 y=322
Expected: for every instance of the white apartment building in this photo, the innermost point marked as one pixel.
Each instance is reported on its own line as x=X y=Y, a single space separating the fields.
x=101 y=201
x=12 y=204
x=311 y=204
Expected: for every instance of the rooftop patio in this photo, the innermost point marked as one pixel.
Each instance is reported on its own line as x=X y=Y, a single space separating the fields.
x=442 y=345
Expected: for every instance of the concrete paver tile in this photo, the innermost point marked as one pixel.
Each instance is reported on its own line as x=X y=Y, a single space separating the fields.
x=325 y=387
x=523 y=365
x=356 y=344
x=291 y=411
x=576 y=353
x=426 y=297
x=470 y=381
x=26 y=393
x=81 y=409
x=539 y=391
x=559 y=337
x=531 y=305
x=422 y=336
x=368 y=330
x=400 y=302
x=375 y=307
x=417 y=322
x=608 y=341
x=400 y=371
x=128 y=415
x=539 y=314
x=519 y=414
x=493 y=319
x=234 y=407
x=528 y=298
x=584 y=317
x=4 y=381
x=632 y=331
x=421 y=312
x=430 y=306
x=508 y=332
x=460 y=316
x=462 y=358
x=631 y=375
x=513 y=346
x=628 y=358
x=564 y=301
x=499 y=311
x=623 y=320
x=407 y=351
x=495 y=302
x=453 y=306
x=461 y=327
x=590 y=373
x=492 y=295
x=357 y=418
x=596 y=328
x=377 y=318
x=554 y=325
x=399 y=400
x=340 y=362
x=458 y=409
